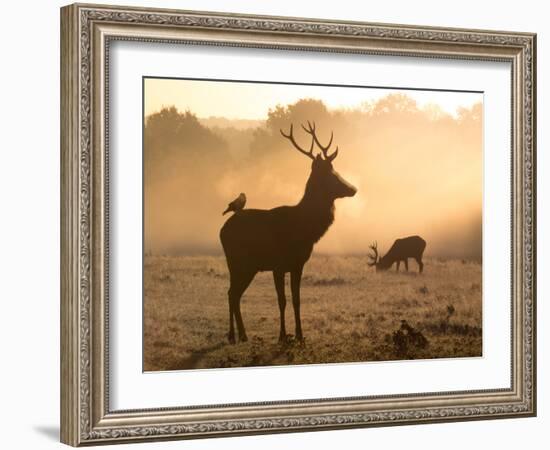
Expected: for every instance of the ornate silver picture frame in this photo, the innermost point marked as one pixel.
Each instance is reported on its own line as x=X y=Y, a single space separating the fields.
x=87 y=34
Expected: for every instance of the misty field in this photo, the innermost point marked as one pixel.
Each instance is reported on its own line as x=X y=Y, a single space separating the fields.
x=350 y=313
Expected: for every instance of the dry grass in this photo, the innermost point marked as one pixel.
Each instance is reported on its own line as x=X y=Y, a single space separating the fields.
x=349 y=313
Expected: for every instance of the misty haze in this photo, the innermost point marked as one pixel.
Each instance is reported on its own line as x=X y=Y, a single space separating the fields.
x=415 y=163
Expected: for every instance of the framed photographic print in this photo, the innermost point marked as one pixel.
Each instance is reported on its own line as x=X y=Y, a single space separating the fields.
x=275 y=224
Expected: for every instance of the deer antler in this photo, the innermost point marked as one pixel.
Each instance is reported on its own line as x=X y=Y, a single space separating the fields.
x=373 y=257
x=290 y=137
x=324 y=148
x=311 y=131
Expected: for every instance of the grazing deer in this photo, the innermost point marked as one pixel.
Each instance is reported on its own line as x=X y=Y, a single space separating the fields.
x=281 y=239
x=401 y=250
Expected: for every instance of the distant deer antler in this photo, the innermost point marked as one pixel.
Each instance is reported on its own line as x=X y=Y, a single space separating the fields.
x=311 y=131
x=373 y=257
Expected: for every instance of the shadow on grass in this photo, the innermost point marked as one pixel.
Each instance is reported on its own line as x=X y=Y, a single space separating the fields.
x=193 y=360
x=257 y=354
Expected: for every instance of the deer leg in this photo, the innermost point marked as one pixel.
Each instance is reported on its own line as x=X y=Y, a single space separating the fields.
x=279 y=279
x=420 y=265
x=407 y=264
x=295 y=280
x=397 y=266
x=231 y=335
x=239 y=283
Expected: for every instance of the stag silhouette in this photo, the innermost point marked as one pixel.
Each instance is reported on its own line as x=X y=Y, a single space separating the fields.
x=401 y=250
x=281 y=239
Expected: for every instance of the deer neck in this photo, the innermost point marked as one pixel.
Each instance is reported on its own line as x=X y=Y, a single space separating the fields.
x=317 y=213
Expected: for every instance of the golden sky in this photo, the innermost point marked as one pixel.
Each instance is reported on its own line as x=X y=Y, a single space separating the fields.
x=237 y=100
x=417 y=172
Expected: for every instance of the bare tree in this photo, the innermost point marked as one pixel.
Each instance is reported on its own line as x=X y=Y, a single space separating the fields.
x=281 y=239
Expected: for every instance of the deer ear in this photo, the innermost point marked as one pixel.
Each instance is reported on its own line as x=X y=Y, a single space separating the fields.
x=316 y=161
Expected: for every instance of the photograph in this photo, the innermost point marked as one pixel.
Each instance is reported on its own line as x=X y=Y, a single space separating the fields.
x=288 y=223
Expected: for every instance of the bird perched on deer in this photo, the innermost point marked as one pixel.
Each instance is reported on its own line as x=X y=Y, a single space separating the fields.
x=236 y=205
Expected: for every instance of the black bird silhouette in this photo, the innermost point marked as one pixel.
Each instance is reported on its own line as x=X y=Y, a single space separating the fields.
x=237 y=204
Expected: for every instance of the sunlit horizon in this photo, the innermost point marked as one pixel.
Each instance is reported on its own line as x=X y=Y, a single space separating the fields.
x=237 y=100
x=417 y=167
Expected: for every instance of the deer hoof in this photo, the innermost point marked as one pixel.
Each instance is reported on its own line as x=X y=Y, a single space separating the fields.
x=231 y=338
x=243 y=338
x=285 y=339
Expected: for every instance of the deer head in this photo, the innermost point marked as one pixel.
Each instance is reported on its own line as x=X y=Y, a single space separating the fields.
x=374 y=258
x=381 y=263
x=323 y=178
